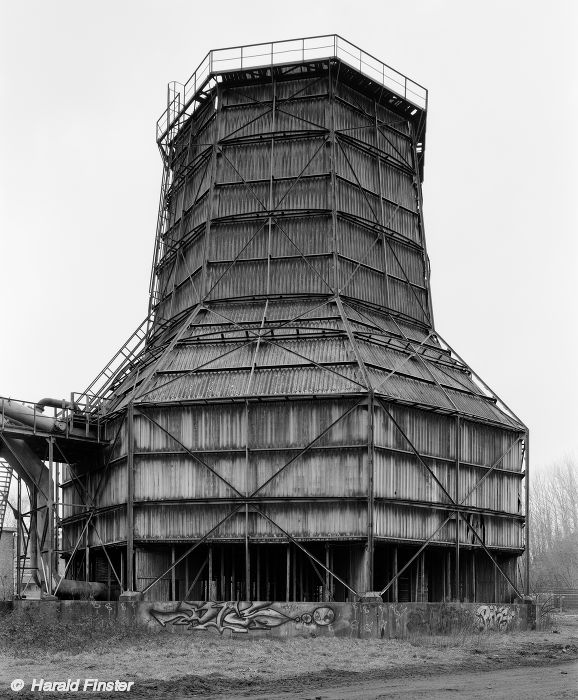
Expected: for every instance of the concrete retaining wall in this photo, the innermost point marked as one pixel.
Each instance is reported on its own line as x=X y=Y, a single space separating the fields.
x=360 y=620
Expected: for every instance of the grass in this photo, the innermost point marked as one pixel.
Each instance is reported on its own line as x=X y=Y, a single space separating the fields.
x=33 y=646
x=26 y=631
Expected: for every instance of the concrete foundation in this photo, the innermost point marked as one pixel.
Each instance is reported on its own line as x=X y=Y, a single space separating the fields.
x=285 y=620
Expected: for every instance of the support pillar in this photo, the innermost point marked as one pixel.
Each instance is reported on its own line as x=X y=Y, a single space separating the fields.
x=288 y=572
x=50 y=516
x=210 y=595
x=369 y=564
x=527 y=508
x=173 y=574
x=130 y=499
x=396 y=582
x=457 y=586
x=19 y=529
x=247 y=556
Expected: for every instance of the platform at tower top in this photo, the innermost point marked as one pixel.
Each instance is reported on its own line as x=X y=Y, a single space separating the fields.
x=184 y=98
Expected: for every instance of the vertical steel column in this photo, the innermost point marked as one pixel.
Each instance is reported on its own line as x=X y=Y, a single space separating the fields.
x=258 y=574
x=449 y=575
x=333 y=162
x=210 y=595
x=186 y=564
x=327 y=567
x=381 y=211
x=496 y=596
x=50 y=514
x=205 y=287
x=295 y=554
x=267 y=582
x=233 y=577
x=130 y=498
x=33 y=532
x=457 y=591
x=396 y=578
x=57 y=512
x=223 y=594
x=247 y=556
x=270 y=198
x=527 y=507
x=370 y=495
x=173 y=574
x=19 y=540
x=288 y=578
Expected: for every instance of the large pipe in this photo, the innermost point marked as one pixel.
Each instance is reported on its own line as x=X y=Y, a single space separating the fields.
x=56 y=403
x=69 y=589
x=23 y=413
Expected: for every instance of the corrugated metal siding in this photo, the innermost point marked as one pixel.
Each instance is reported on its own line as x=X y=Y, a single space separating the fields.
x=249 y=278
x=148 y=565
x=361 y=282
x=499 y=491
x=390 y=358
x=399 y=522
x=405 y=262
x=360 y=243
x=357 y=125
x=307 y=520
x=398 y=186
x=274 y=431
x=290 y=158
x=296 y=424
x=292 y=236
x=324 y=472
x=408 y=299
x=408 y=389
x=302 y=114
x=396 y=145
x=434 y=434
x=266 y=382
x=200 y=428
x=355 y=99
x=483 y=444
x=245 y=120
x=402 y=476
x=321 y=350
x=356 y=165
x=273 y=354
x=431 y=433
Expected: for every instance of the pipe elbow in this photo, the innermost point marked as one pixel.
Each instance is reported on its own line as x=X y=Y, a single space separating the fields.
x=55 y=403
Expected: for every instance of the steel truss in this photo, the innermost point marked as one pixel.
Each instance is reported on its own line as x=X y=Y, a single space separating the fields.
x=130 y=386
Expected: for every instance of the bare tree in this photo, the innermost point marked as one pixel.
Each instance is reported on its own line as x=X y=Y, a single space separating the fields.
x=554 y=523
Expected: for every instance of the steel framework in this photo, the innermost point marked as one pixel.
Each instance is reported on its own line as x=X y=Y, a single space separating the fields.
x=287 y=420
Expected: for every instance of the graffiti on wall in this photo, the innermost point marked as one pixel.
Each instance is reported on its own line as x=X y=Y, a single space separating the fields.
x=494 y=617
x=237 y=616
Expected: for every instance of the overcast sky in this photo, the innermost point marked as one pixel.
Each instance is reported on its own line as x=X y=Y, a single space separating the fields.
x=83 y=83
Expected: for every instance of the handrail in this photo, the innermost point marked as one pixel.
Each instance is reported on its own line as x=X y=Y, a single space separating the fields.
x=31 y=416
x=218 y=61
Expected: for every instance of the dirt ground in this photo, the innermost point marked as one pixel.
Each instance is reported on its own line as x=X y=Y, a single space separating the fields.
x=523 y=664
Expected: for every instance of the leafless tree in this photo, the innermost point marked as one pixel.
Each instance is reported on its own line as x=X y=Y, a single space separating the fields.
x=554 y=526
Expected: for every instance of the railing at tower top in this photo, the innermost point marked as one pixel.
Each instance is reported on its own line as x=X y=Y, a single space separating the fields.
x=183 y=98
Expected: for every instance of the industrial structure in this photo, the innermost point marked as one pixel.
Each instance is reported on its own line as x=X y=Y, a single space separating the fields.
x=286 y=424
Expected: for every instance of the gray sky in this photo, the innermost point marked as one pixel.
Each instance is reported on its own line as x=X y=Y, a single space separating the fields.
x=83 y=83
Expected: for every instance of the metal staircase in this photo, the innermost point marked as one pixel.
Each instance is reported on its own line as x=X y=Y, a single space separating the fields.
x=5 y=479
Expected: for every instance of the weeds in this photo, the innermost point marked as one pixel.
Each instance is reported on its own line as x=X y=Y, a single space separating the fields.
x=26 y=630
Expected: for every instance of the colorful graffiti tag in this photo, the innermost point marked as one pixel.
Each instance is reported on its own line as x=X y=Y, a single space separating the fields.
x=237 y=616
x=494 y=617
